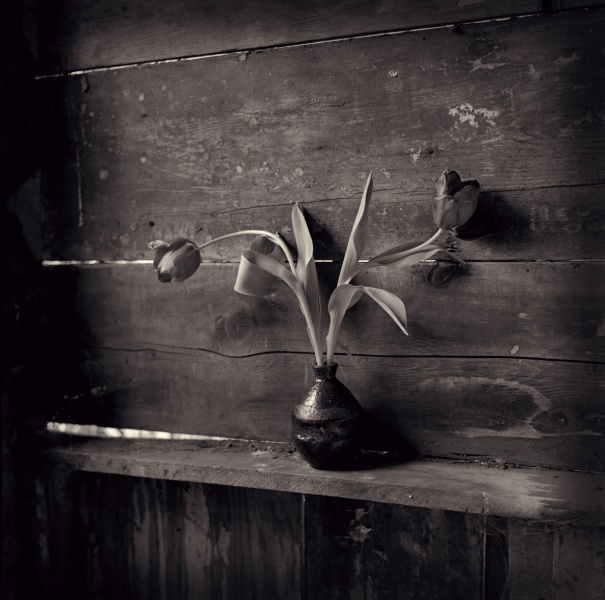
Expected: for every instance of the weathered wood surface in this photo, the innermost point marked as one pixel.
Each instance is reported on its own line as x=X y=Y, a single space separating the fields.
x=496 y=559
x=202 y=148
x=509 y=374
x=80 y=35
x=558 y=496
x=392 y=552
x=512 y=310
x=159 y=539
x=529 y=559
x=518 y=411
x=579 y=562
x=167 y=533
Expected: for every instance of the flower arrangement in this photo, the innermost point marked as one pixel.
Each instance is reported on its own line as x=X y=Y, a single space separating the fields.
x=263 y=266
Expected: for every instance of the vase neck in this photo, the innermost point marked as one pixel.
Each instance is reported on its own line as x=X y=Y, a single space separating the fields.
x=325 y=372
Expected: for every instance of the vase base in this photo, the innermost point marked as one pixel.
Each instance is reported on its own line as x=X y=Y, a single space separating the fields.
x=327 y=446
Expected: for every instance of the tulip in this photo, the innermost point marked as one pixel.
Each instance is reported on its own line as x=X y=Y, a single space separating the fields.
x=455 y=200
x=176 y=260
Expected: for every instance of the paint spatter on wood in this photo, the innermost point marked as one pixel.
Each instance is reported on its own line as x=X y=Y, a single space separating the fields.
x=467 y=114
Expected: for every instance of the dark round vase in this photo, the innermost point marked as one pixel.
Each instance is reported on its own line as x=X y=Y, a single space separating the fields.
x=326 y=422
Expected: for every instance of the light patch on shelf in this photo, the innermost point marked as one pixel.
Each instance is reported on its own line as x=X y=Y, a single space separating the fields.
x=62 y=263
x=125 y=433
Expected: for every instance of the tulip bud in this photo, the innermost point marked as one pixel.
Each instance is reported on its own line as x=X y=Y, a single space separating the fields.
x=176 y=260
x=455 y=200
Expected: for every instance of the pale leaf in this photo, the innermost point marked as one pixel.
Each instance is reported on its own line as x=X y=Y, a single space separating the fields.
x=306 y=271
x=343 y=297
x=263 y=245
x=271 y=267
x=357 y=237
x=346 y=295
x=391 y=304
x=254 y=281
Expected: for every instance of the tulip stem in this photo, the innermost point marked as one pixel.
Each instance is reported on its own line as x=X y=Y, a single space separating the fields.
x=273 y=237
x=430 y=240
x=304 y=305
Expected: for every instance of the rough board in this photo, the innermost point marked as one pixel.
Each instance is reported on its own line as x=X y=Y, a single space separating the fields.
x=202 y=148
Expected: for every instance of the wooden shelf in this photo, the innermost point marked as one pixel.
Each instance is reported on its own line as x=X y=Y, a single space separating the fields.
x=524 y=493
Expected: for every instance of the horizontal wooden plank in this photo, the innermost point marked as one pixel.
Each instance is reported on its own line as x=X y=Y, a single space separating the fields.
x=78 y=35
x=528 y=412
x=523 y=493
x=202 y=148
x=81 y=35
x=514 y=310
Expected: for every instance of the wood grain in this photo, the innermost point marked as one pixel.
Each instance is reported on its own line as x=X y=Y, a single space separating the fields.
x=496 y=569
x=530 y=562
x=513 y=310
x=391 y=551
x=77 y=35
x=158 y=539
x=513 y=411
x=579 y=562
x=202 y=148
x=469 y=487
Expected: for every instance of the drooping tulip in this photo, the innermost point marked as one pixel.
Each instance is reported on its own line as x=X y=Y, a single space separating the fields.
x=455 y=200
x=175 y=261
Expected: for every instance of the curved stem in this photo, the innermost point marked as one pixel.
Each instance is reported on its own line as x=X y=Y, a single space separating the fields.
x=304 y=306
x=429 y=241
x=274 y=238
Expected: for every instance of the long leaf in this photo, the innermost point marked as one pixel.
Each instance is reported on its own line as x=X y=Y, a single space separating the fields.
x=405 y=258
x=357 y=237
x=346 y=295
x=391 y=304
x=307 y=272
x=277 y=270
x=274 y=268
x=411 y=258
x=343 y=297
x=405 y=247
x=254 y=281
x=264 y=245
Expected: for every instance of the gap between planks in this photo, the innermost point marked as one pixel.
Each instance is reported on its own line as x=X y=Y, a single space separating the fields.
x=236 y=52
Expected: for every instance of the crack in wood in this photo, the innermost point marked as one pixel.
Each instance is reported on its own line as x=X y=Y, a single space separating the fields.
x=188 y=351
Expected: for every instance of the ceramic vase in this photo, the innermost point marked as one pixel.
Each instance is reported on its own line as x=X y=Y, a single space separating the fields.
x=326 y=422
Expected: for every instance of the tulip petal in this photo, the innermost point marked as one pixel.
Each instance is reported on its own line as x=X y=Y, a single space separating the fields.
x=447 y=182
x=157 y=244
x=186 y=263
x=445 y=212
x=466 y=198
x=176 y=260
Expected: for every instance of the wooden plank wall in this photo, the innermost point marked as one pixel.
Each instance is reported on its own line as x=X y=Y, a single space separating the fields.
x=124 y=537
x=504 y=358
x=160 y=120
